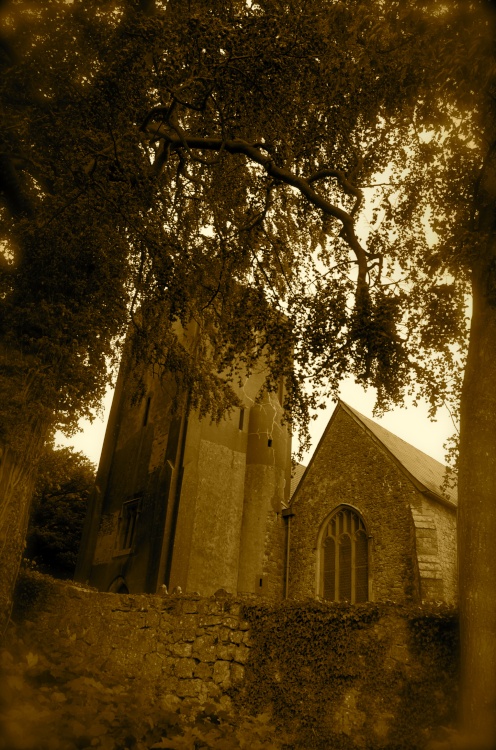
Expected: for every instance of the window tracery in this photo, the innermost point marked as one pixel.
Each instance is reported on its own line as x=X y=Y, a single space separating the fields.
x=344 y=558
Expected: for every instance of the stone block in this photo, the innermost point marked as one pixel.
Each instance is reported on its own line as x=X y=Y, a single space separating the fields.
x=224 y=635
x=188 y=635
x=187 y=622
x=203 y=671
x=152 y=619
x=181 y=649
x=208 y=621
x=190 y=607
x=230 y=622
x=189 y=688
x=203 y=640
x=184 y=668
x=236 y=636
x=241 y=654
x=153 y=664
x=222 y=673
x=213 y=690
x=226 y=652
x=237 y=673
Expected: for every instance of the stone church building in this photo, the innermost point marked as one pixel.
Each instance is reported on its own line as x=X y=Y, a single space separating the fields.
x=185 y=503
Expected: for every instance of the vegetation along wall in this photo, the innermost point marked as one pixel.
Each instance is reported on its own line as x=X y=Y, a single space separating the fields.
x=88 y=669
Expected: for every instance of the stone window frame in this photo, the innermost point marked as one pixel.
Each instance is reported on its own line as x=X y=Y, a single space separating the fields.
x=319 y=577
x=127 y=524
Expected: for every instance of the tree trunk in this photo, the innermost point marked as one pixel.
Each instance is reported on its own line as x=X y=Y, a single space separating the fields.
x=17 y=476
x=477 y=515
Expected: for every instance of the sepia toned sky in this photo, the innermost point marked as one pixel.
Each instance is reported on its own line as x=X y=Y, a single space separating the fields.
x=411 y=424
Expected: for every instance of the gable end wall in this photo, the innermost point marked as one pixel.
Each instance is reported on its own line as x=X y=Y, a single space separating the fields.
x=349 y=467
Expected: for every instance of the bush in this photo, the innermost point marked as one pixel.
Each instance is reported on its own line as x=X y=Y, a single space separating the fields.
x=59 y=507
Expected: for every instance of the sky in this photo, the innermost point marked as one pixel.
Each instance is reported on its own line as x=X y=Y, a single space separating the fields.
x=411 y=424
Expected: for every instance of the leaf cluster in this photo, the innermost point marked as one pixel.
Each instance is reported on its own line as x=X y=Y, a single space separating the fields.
x=63 y=486
x=208 y=165
x=307 y=658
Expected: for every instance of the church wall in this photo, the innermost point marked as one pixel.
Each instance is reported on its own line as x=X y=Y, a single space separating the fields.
x=349 y=467
x=447 y=538
x=137 y=469
x=207 y=536
x=199 y=501
x=436 y=549
x=274 y=562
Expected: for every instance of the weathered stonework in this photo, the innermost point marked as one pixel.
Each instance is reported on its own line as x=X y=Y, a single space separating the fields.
x=184 y=648
x=412 y=536
x=208 y=496
x=349 y=468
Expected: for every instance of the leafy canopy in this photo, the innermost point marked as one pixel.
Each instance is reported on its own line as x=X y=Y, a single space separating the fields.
x=63 y=486
x=215 y=164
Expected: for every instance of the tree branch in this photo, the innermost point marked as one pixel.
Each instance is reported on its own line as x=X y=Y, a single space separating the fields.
x=178 y=140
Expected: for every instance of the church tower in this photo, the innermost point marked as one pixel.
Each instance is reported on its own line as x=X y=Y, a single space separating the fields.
x=188 y=503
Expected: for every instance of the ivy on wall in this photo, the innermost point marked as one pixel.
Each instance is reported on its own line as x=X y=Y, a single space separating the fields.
x=318 y=675
x=344 y=676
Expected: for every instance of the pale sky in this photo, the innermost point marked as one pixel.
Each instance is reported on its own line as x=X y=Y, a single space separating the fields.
x=411 y=424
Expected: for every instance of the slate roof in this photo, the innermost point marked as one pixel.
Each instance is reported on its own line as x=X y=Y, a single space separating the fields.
x=423 y=469
x=296 y=476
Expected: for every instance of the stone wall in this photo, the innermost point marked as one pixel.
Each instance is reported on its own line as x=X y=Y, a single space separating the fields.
x=435 y=534
x=187 y=645
x=356 y=677
x=350 y=468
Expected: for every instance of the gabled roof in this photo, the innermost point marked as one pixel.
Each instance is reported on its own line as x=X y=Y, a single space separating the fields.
x=296 y=475
x=423 y=469
x=425 y=472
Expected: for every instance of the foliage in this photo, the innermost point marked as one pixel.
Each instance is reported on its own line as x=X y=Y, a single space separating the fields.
x=319 y=666
x=48 y=708
x=52 y=699
x=62 y=489
x=195 y=162
x=207 y=164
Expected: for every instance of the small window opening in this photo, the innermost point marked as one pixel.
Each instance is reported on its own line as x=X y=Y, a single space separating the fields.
x=261 y=582
x=269 y=442
x=127 y=525
x=241 y=419
x=147 y=411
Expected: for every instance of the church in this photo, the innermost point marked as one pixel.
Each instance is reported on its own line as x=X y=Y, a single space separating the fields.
x=196 y=506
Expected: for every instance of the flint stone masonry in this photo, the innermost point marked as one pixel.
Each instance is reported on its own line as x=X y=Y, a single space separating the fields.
x=412 y=536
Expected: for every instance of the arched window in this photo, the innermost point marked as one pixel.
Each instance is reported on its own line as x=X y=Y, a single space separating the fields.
x=344 y=558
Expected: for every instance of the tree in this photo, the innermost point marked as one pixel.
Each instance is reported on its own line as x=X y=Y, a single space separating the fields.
x=63 y=486
x=208 y=163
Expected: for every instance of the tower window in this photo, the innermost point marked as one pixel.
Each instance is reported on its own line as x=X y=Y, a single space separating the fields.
x=344 y=558
x=128 y=520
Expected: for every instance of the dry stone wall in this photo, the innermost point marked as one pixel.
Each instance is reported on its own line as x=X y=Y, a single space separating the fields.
x=186 y=645
x=330 y=675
